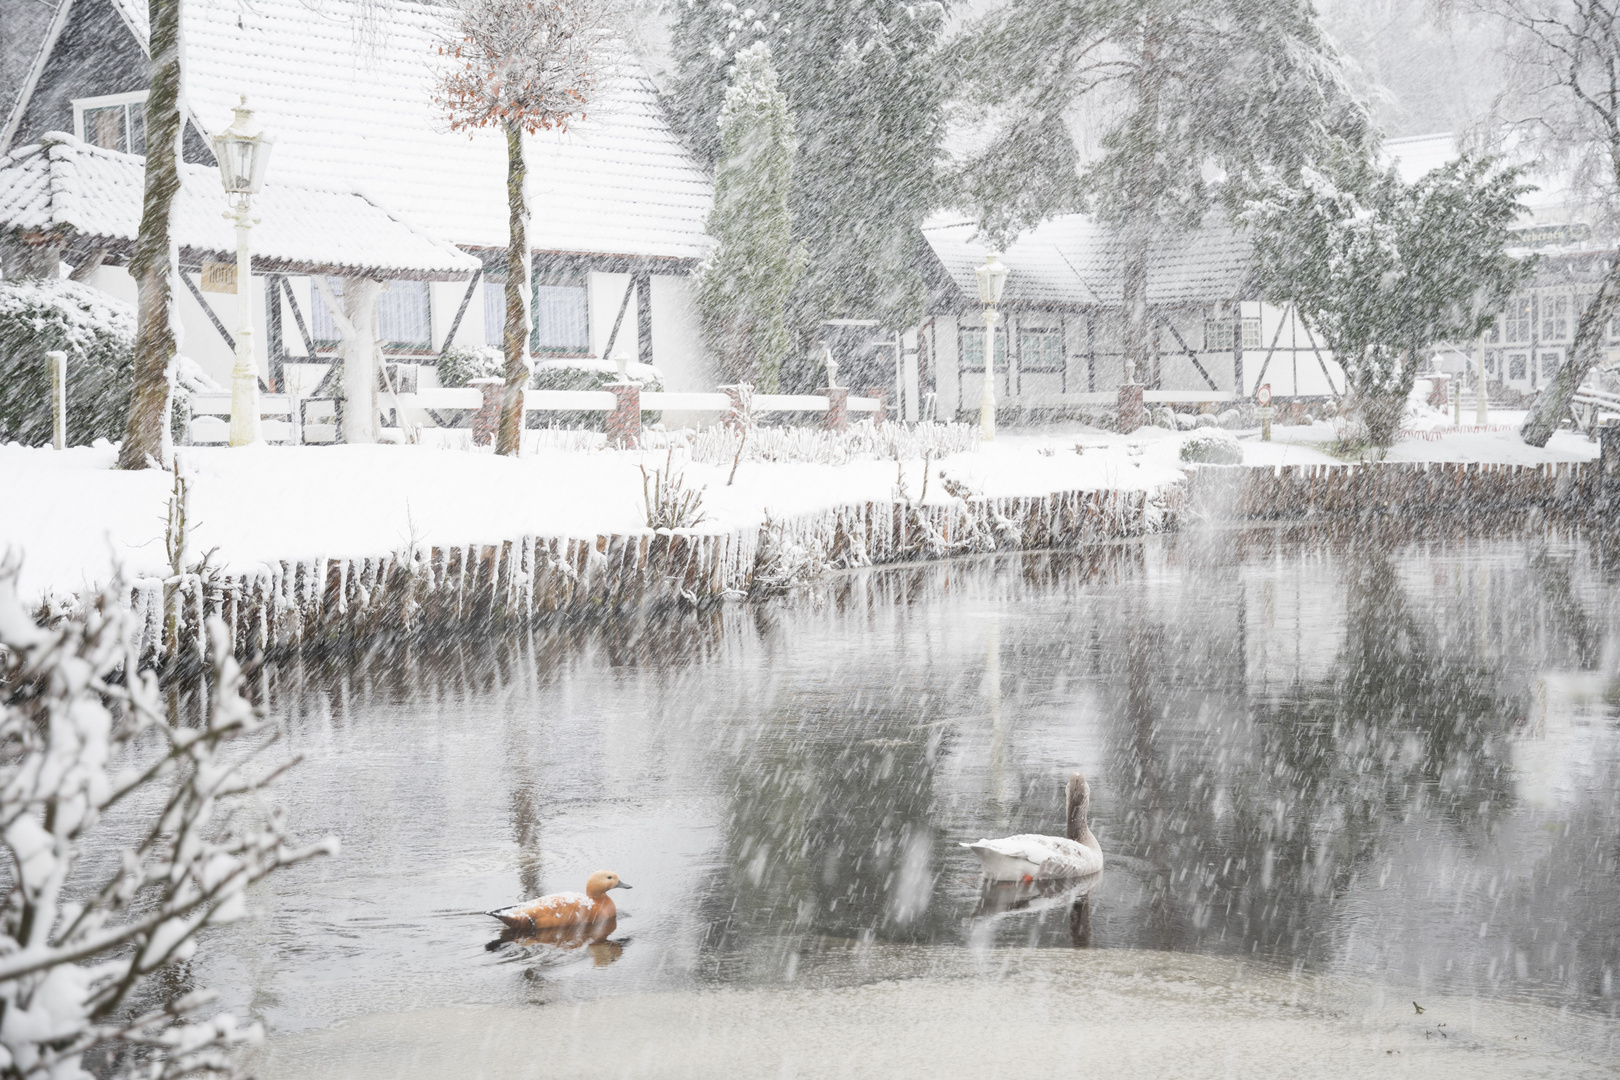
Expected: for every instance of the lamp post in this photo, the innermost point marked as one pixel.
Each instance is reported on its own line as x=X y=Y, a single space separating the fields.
x=992 y=279
x=242 y=152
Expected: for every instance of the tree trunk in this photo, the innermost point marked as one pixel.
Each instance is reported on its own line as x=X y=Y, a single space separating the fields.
x=147 y=441
x=360 y=350
x=1138 y=336
x=509 y=437
x=1586 y=350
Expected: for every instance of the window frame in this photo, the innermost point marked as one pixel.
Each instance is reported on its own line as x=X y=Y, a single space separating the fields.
x=1224 y=329
x=1004 y=354
x=1049 y=332
x=557 y=279
x=108 y=101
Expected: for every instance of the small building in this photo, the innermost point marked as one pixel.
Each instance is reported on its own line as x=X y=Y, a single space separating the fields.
x=1059 y=343
x=346 y=90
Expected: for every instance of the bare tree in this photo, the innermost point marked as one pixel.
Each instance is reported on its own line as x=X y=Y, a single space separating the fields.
x=147 y=443
x=1565 y=59
x=86 y=737
x=523 y=66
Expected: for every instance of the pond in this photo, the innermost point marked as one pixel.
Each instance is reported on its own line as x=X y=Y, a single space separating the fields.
x=1339 y=773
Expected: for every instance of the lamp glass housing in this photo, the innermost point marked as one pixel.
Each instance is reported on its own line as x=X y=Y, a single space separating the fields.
x=242 y=152
x=992 y=279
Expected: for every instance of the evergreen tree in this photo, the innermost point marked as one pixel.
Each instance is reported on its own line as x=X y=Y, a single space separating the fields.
x=1382 y=270
x=743 y=293
x=1186 y=101
x=864 y=85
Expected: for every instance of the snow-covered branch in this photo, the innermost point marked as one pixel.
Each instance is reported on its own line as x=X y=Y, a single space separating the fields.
x=82 y=729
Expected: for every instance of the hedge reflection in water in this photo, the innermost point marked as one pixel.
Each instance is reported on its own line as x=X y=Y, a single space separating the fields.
x=1348 y=749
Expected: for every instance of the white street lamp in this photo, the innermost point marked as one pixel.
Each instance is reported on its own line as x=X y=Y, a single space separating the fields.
x=242 y=152
x=992 y=279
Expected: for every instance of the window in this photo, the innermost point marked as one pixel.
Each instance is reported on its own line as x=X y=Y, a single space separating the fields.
x=494 y=313
x=1218 y=334
x=404 y=319
x=1039 y=350
x=1516 y=320
x=973 y=350
x=1517 y=363
x=1554 y=318
x=116 y=122
x=561 y=316
x=1549 y=364
x=1493 y=364
x=405 y=315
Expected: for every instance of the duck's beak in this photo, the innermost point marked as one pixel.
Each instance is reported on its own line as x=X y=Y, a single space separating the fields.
x=622 y=885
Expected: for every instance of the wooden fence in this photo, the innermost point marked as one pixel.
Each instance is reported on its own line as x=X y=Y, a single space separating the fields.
x=285 y=607
x=1296 y=491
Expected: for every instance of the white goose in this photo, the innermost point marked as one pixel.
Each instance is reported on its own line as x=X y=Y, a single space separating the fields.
x=1034 y=857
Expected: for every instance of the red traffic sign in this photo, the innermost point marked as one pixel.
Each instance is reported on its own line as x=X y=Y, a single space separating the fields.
x=1263 y=395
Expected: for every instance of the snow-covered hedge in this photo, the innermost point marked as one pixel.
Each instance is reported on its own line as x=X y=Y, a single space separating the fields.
x=460 y=366
x=1212 y=446
x=98 y=334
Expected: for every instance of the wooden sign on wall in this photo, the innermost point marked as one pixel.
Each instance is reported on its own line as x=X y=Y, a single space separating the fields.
x=218 y=277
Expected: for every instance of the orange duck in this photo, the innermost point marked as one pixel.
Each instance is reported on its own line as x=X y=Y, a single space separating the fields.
x=589 y=915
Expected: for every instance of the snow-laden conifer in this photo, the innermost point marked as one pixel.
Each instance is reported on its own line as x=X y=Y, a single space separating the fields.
x=91 y=752
x=743 y=292
x=523 y=66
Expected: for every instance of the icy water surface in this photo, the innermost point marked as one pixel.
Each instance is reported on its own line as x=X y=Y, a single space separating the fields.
x=1333 y=772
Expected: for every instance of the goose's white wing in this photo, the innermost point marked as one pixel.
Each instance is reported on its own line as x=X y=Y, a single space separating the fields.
x=1013 y=858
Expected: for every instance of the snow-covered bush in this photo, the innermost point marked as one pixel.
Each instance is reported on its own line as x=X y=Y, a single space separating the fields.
x=589 y=373
x=461 y=365
x=1212 y=446
x=90 y=754
x=98 y=334
x=862 y=440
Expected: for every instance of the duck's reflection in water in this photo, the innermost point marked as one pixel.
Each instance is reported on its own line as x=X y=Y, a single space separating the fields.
x=999 y=900
x=558 y=940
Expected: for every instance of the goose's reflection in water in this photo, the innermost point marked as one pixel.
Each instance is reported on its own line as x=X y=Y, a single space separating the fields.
x=1000 y=900
x=555 y=941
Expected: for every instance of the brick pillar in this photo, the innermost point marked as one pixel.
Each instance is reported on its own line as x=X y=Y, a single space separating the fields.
x=488 y=417
x=881 y=417
x=624 y=422
x=1132 y=413
x=1440 y=396
x=837 y=407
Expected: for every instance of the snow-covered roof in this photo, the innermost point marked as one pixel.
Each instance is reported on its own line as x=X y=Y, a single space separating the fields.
x=66 y=188
x=1073 y=260
x=351 y=107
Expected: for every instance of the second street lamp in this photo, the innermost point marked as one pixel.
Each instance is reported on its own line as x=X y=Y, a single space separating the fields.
x=992 y=279
x=242 y=152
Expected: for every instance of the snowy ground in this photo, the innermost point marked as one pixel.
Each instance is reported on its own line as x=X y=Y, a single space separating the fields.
x=71 y=517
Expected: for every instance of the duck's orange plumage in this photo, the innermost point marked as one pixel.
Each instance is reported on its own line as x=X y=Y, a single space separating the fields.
x=566 y=911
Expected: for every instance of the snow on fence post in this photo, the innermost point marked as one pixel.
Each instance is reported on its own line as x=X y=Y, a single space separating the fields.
x=837 y=407
x=56 y=359
x=624 y=422
x=488 y=416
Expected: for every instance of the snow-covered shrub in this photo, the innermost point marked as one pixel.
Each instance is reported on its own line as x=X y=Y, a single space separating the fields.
x=1212 y=446
x=862 y=440
x=1162 y=417
x=589 y=373
x=90 y=755
x=670 y=503
x=460 y=365
x=98 y=334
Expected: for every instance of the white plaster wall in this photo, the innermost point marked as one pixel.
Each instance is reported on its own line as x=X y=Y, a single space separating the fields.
x=676 y=337
x=945 y=360
x=606 y=294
